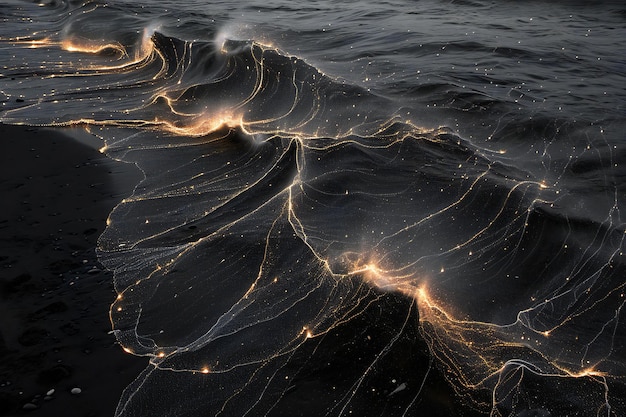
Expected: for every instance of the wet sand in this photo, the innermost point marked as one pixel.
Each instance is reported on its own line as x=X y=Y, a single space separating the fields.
x=54 y=295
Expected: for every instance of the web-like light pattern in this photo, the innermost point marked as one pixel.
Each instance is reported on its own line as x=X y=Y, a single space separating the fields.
x=279 y=206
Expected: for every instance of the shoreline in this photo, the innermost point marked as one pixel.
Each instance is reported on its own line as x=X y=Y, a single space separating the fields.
x=55 y=295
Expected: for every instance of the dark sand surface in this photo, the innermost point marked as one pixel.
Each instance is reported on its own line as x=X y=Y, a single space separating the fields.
x=54 y=295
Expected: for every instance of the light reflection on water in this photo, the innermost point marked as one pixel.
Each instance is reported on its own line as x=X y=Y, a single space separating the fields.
x=281 y=206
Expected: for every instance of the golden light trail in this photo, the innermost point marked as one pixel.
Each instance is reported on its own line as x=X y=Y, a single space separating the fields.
x=94 y=48
x=204 y=125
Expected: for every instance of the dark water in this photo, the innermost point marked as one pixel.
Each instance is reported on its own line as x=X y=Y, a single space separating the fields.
x=351 y=208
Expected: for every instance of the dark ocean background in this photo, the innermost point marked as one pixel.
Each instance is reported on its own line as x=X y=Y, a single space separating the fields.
x=369 y=208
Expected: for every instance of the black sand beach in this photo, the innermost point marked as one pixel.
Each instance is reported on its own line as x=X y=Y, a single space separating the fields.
x=375 y=209
x=55 y=296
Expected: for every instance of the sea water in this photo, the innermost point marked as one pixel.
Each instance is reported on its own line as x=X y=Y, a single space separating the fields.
x=350 y=208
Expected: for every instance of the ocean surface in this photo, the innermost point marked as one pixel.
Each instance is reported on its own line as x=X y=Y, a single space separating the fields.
x=367 y=208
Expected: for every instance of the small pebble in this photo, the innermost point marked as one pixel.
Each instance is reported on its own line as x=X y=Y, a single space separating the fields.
x=51 y=392
x=76 y=391
x=29 y=406
x=47 y=398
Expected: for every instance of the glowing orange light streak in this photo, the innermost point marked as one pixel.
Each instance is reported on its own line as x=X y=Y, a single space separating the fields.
x=92 y=48
x=204 y=126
